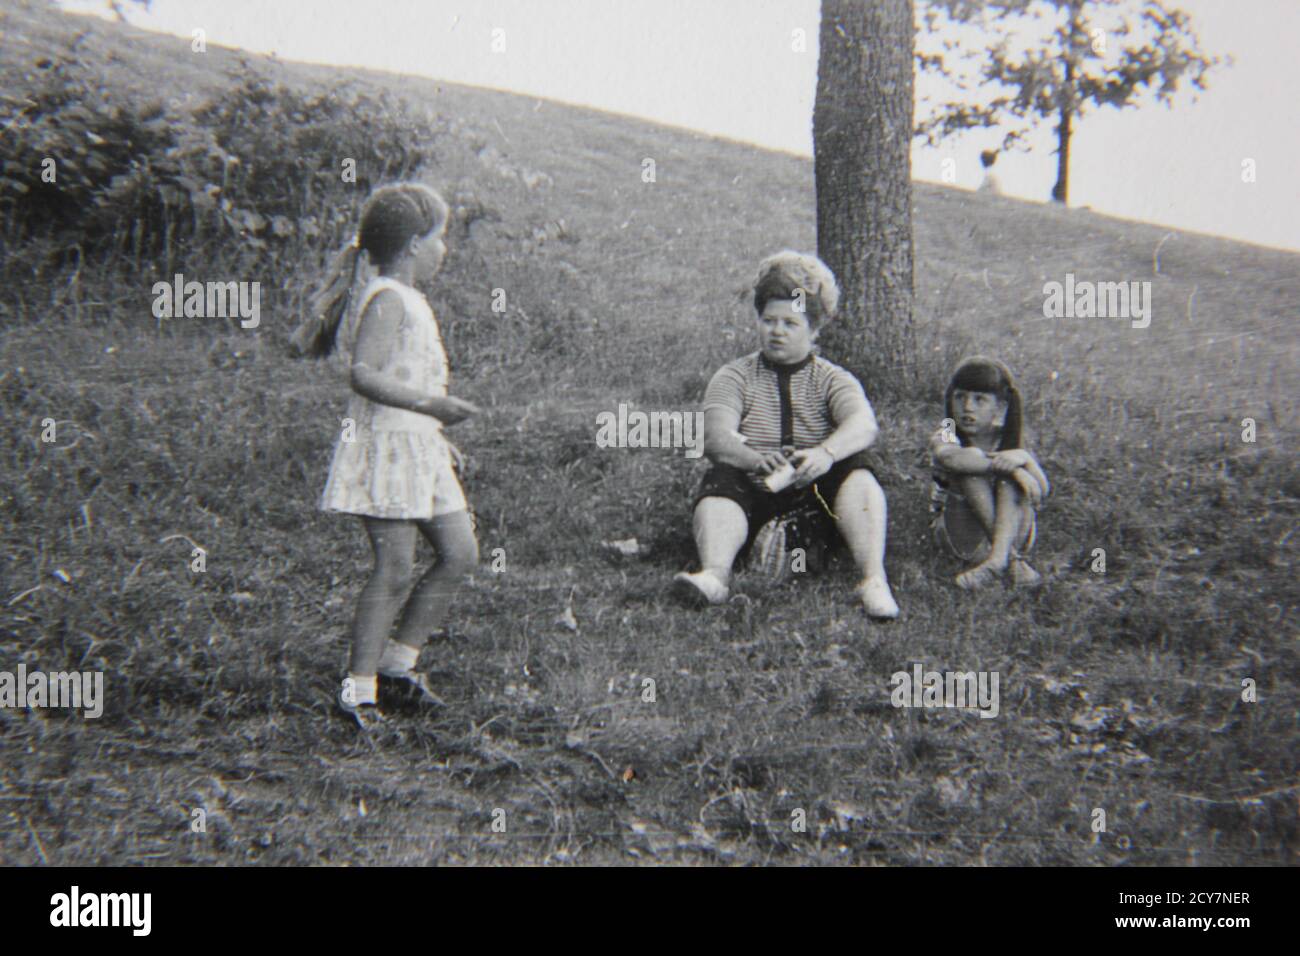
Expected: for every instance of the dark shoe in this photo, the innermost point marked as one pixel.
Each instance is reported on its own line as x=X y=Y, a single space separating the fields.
x=417 y=682
x=367 y=716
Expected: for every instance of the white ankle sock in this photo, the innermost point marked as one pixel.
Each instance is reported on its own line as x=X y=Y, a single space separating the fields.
x=365 y=690
x=398 y=658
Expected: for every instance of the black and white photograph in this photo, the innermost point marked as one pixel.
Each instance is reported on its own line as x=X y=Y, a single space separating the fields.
x=675 y=434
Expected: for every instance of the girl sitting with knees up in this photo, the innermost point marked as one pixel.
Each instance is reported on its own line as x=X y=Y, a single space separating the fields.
x=784 y=427
x=987 y=487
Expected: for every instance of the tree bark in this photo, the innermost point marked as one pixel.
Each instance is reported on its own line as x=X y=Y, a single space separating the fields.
x=862 y=135
x=1060 y=192
x=1069 y=101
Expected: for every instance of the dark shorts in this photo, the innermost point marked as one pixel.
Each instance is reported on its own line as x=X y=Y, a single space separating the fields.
x=761 y=505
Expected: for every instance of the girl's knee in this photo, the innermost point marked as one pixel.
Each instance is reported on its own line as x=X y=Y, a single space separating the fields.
x=453 y=541
x=459 y=553
x=394 y=549
x=463 y=558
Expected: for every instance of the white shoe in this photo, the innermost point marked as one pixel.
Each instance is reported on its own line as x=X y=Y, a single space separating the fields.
x=877 y=599
x=701 y=587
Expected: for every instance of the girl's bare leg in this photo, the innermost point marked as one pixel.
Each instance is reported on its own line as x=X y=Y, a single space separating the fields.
x=393 y=542
x=981 y=500
x=1010 y=528
x=964 y=530
x=452 y=539
x=1007 y=524
x=1022 y=573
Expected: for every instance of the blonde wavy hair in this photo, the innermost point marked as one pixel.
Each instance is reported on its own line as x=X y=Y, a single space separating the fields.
x=783 y=275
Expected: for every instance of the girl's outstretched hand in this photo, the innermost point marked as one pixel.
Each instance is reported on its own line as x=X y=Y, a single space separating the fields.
x=448 y=410
x=457 y=410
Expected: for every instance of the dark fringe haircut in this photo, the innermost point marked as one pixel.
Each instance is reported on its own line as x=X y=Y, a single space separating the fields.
x=980 y=373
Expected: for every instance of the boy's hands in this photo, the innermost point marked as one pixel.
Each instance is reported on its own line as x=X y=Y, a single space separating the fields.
x=768 y=463
x=811 y=464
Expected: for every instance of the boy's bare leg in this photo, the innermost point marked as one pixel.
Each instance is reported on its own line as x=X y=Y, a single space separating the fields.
x=861 y=515
x=720 y=531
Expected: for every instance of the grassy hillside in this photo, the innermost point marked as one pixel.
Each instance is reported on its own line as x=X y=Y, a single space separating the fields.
x=1120 y=690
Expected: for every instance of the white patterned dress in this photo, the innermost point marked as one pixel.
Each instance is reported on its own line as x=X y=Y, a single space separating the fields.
x=398 y=464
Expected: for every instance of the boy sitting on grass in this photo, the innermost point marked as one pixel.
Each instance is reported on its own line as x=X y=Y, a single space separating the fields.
x=781 y=409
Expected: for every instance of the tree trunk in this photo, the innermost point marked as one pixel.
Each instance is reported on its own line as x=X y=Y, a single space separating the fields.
x=1061 y=191
x=862 y=136
x=1076 y=37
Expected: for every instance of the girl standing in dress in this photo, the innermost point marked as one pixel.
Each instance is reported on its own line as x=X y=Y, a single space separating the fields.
x=392 y=466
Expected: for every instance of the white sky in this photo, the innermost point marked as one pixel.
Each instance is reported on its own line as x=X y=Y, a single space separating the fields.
x=727 y=67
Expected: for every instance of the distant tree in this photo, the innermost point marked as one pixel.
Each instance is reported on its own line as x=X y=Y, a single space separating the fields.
x=119 y=7
x=862 y=133
x=1057 y=58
